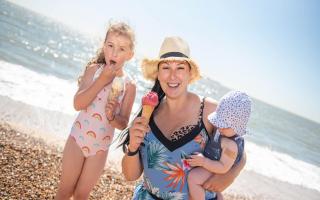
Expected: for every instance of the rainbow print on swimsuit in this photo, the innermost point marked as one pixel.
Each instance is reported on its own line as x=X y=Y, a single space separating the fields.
x=86 y=149
x=91 y=134
x=77 y=124
x=97 y=116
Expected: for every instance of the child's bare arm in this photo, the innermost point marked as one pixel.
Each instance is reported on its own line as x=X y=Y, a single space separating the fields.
x=228 y=156
x=219 y=182
x=88 y=89
x=121 y=120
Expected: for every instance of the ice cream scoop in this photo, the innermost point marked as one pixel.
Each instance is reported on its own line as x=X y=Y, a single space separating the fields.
x=117 y=88
x=149 y=102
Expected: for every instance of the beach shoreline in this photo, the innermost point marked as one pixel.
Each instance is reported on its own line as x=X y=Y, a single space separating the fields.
x=31 y=165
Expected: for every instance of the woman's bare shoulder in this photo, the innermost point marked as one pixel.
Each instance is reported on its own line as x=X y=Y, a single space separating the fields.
x=210 y=105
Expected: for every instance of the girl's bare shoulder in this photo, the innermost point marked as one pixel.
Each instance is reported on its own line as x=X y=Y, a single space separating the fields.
x=131 y=86
x=92 y=68
x=88 y=74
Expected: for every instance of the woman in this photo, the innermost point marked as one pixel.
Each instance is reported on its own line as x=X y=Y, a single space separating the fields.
x=178 y=127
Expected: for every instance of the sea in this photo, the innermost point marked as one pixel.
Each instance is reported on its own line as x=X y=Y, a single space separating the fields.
x=41 y=60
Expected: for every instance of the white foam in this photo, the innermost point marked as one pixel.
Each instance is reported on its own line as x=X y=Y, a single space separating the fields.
x=282 y=166
x=40 y=90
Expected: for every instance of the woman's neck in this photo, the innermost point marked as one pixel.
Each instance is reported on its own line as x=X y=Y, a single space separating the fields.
x=177 y=104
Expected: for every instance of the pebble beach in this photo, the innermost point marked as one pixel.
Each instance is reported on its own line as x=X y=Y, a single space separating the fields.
x=30 y=169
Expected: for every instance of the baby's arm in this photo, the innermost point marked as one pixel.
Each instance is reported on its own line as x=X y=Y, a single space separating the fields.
x=228 y=156
x=88 y=90
x=120 y=121
x=219 y=182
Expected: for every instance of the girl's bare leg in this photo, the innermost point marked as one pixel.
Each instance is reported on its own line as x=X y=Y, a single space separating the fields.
x=72 y=162
x=91 y=172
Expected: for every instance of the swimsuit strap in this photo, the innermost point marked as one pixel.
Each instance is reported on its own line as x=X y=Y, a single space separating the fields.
x=176 y=135
x=200 y=117
x=98 y=71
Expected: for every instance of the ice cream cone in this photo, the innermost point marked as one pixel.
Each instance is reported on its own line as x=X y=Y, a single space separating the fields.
x=116 y=88
x=149 y=102
x=114 y=94
x=147 y=111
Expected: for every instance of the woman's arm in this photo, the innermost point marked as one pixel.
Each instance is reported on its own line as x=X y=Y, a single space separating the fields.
x=120 y=121
x=220 y=182
x=131 y=165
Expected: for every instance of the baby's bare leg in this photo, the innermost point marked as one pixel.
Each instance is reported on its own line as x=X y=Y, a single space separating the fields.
x=219 y=196
x=196 y=178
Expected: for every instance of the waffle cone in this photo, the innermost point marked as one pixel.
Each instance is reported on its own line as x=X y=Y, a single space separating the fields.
x=114 y=94
x=147 y=111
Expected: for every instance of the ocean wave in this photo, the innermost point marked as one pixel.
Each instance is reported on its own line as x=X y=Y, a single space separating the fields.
x=284 y=167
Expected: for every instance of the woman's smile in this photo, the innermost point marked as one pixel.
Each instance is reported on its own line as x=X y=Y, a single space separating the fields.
x=173 y=85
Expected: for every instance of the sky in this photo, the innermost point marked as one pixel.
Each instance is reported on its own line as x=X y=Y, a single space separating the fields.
x=268 y=48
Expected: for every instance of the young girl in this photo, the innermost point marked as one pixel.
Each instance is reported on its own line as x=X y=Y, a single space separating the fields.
x=86 y=149
x=225 y=147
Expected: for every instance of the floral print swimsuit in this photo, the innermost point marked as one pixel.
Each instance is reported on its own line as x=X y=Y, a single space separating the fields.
x=165 y=167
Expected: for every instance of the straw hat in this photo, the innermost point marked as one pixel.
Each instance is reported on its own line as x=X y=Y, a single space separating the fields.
x=172 y=49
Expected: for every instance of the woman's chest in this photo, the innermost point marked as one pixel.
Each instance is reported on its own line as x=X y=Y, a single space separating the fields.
x=157 y=150
x=165 y=166
x=172 y=125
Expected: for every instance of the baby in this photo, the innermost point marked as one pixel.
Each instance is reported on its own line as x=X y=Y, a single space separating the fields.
x=225 y=147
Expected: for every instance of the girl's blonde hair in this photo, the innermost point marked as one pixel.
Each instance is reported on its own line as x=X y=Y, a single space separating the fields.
x=119 y=28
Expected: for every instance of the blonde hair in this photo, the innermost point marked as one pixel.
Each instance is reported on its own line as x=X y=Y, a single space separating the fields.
x=119 y=28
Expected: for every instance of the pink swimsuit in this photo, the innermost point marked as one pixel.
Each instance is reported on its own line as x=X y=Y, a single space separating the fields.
x=91 y=129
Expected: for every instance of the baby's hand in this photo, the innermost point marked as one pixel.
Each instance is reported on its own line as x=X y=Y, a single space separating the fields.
x=197 y=160
x=110 y=109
